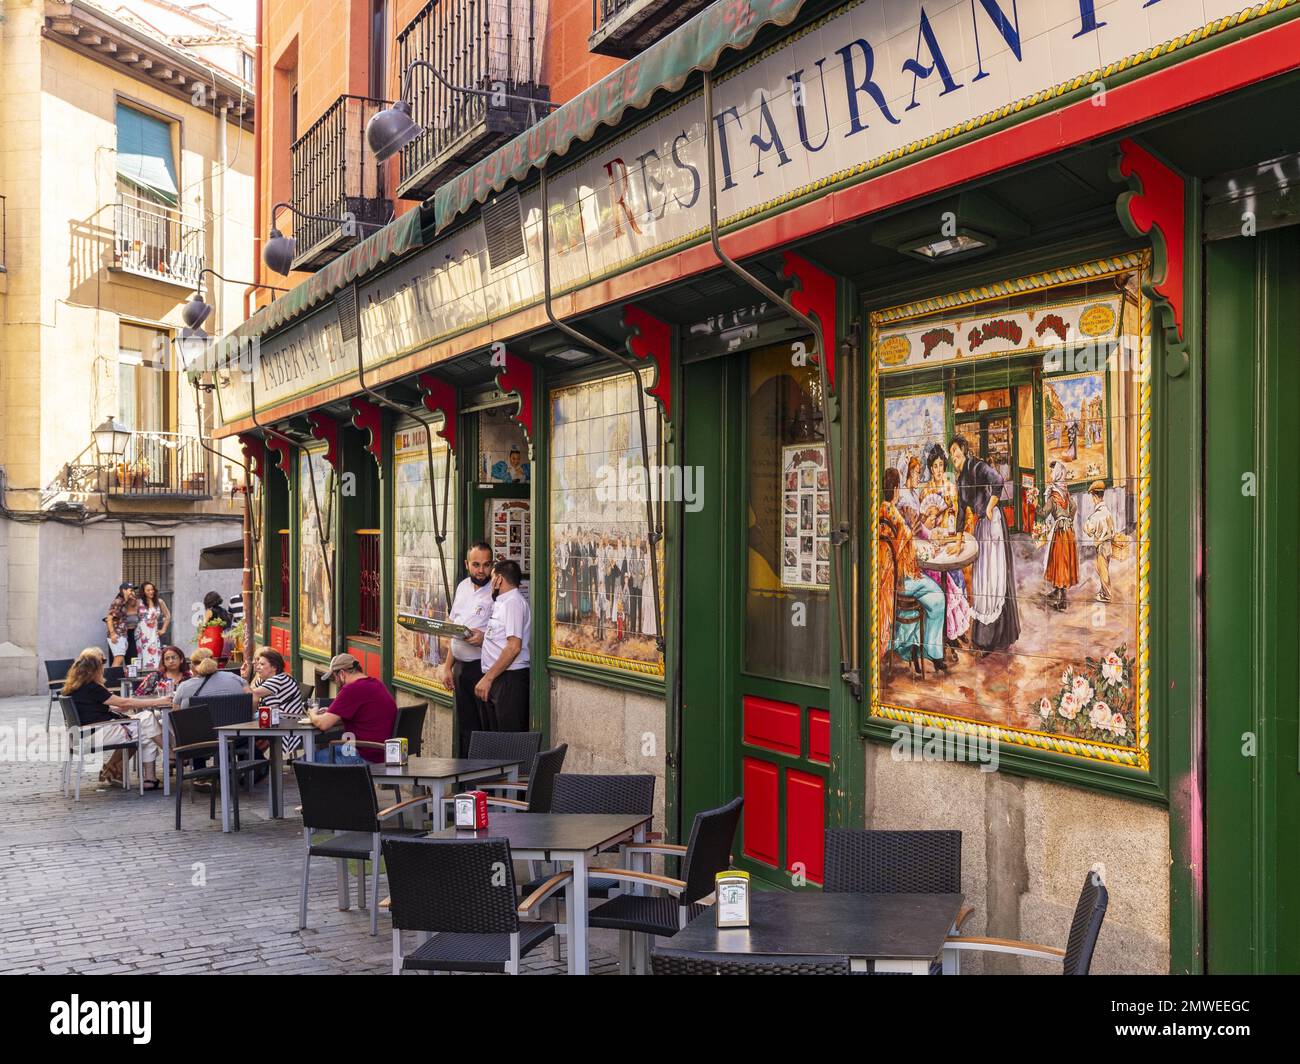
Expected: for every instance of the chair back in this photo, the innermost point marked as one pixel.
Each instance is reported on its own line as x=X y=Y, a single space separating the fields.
x=512 y=746
x=1086 y=925
x=71 y=718
x=455 y=885
x=192 y=725
x=336 y=797
x=113 y=677
x=541 y=778
x=630 y=795
x=675 y=965
x=56 y=669
x=892 y=862
x=708 y=850
x=409 y=725
x=226 y=709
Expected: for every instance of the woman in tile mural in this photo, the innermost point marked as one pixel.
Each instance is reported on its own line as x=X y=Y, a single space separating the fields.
x=1061 y=569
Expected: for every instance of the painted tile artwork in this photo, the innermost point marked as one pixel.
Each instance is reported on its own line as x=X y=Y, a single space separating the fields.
x=1010 y=492
x=316 y=514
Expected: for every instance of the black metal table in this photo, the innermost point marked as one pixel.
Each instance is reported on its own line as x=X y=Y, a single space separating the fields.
x=287 y=726
x=435 y=773
x=573 y=838
x=896 y=932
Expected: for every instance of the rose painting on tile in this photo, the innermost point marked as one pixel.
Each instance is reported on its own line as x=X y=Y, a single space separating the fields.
x=1010 y=477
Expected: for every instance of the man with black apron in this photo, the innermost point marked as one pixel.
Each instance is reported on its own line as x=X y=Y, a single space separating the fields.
x=472 y=606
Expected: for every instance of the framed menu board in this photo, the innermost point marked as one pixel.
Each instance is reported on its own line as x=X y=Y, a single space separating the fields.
x=805 y=517
x=509 y=530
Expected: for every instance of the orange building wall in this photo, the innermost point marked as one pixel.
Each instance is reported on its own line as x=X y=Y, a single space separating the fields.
x=327 y=41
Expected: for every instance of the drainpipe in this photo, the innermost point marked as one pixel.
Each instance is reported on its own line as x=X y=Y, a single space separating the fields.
x=849 y=671
x=653 y=533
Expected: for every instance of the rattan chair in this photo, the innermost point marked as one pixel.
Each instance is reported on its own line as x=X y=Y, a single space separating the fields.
x=540 y=788
x=1076 y=958
x=56 y=672
x=706 y=853
x=341 y=799
x=81 y=736
x=462 y=893
x=677 y=965
x=196 y=741
x=509 y=746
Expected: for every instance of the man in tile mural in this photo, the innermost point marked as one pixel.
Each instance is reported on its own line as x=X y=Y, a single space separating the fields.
x=993 y=581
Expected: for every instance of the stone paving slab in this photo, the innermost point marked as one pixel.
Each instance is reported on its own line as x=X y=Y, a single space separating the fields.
x=107 y=886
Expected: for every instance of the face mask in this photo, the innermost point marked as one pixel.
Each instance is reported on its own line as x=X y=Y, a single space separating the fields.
x=477 y=582
x=495 y=592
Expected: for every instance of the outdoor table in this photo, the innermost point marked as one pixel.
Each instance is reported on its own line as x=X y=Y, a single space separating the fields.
x=900 y=933
x=435 y=773
x=275 y=797
x=572 y=838
x=948 y=561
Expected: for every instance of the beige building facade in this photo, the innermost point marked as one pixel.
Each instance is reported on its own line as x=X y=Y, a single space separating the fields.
x=125 y=170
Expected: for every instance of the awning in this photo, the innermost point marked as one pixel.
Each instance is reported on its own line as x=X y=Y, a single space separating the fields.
x=396 y=238
x=223 y=556
x=666 y=64
x=144 y=153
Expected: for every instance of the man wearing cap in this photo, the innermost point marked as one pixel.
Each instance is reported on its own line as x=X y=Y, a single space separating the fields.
x=461 y=670
x=363 y=706
x=1100 y=528
x=504 y=686
x=115 y=619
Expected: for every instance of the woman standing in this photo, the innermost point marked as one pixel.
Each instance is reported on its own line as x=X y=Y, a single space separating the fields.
x=154 y=620
x=96 y=704
x=1061 y=569
x=172 y=670
x=993 y=582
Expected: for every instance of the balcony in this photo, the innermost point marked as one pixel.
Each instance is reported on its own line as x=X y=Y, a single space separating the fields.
x=624 y=28
x=160 y=464
x=151 y=239
x=335 y=175
x=489 y=46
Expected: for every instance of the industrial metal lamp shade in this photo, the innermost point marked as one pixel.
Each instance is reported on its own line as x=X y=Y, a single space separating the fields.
x=391 y=130
x=278 y=253
x=195 y=312
x=111 y=438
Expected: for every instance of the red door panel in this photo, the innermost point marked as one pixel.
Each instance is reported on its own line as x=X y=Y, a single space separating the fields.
x=805 y=819
x=772 y=725
x=762 y=811
x=819 y=736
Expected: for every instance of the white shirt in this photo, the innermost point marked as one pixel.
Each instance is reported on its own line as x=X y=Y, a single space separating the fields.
x=510 y=617
x=471 y=607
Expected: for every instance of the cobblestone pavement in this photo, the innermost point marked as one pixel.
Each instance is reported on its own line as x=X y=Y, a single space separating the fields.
x=108 y=886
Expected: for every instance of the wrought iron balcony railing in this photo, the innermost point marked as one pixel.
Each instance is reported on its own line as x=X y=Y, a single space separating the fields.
x=335 y=175
x=623 y=28
x=153 y=240
x=161 y=463
x=489 y=45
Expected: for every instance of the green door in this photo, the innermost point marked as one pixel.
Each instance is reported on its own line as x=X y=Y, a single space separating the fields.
x=1252 y=587
x=756 y=715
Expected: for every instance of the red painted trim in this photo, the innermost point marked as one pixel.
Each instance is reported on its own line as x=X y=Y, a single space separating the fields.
x=282 y=449
x=368 y=417
x=814 y=295
x=762 y=811
x=819 y=736
x=1196 y=80
x=805 y=823
x=517 y=377
x=254 y=448
x=1157 y=207
x=440 y=398
x=324 y=427
x=772 y=725
x=648 y=337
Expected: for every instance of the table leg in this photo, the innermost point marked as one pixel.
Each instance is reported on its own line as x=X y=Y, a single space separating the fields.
x=223 y=764
x=166 y=755
x=577 y=899
x=904 y=967
x=275 y=792
x=437 y=790
x=951 y=960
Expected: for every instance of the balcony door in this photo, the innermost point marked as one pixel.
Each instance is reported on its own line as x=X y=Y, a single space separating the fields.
x=146 y=405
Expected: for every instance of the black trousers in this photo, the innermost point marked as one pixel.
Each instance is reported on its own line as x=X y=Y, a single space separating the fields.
x=470 y=712
x=507 y=708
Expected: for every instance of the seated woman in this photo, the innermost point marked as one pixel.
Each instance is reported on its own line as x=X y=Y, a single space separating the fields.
x=209 y=679
x=95 y=704
x=278 y=689
x=171 y=672
x=909 y=642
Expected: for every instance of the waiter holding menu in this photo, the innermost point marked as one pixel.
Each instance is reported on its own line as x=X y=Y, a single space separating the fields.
x=460 y=670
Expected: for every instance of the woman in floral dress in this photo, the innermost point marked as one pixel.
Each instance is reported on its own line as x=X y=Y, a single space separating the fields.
x=937 y=520
x=154 y=621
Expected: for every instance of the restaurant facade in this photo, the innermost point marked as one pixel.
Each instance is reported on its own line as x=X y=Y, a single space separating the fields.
x=885 y=404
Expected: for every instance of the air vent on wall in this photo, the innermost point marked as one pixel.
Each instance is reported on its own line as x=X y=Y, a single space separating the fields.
x=503 y=227
x=345 y=302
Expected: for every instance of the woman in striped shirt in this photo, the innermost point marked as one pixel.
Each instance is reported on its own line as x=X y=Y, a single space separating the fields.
x=278 y=690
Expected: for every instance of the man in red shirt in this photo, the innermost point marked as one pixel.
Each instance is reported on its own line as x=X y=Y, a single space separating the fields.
x=363 y=706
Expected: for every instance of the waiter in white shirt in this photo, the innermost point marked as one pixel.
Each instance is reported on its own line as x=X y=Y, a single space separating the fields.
x=461 y=669
x=505 y=661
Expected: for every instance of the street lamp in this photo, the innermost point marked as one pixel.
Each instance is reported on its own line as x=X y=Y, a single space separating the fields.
x=111 y=437
x=393 y=128
x=278 y=251
x=192 y=344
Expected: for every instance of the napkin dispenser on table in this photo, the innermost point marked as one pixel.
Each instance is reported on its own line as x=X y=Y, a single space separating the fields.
x=471 y=811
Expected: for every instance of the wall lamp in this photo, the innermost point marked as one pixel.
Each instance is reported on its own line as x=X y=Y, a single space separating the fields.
x=279 y=250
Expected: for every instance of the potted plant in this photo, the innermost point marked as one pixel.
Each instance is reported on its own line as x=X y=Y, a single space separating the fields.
x=211 y=632
x=236 y=636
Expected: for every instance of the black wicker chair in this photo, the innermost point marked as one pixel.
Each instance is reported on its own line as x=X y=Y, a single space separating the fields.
x=706 y=853
x=234 y=709
x=196 y=741
x=341 y=799
x=540 y=788
x=56 y=672
x=1076 y=958
x=462 y=891
x=510 y=746
x=895 y=862
x=82 y=736
x=676 y=965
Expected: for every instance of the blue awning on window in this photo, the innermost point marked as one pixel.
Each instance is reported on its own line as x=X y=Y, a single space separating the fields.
x=144 y=153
